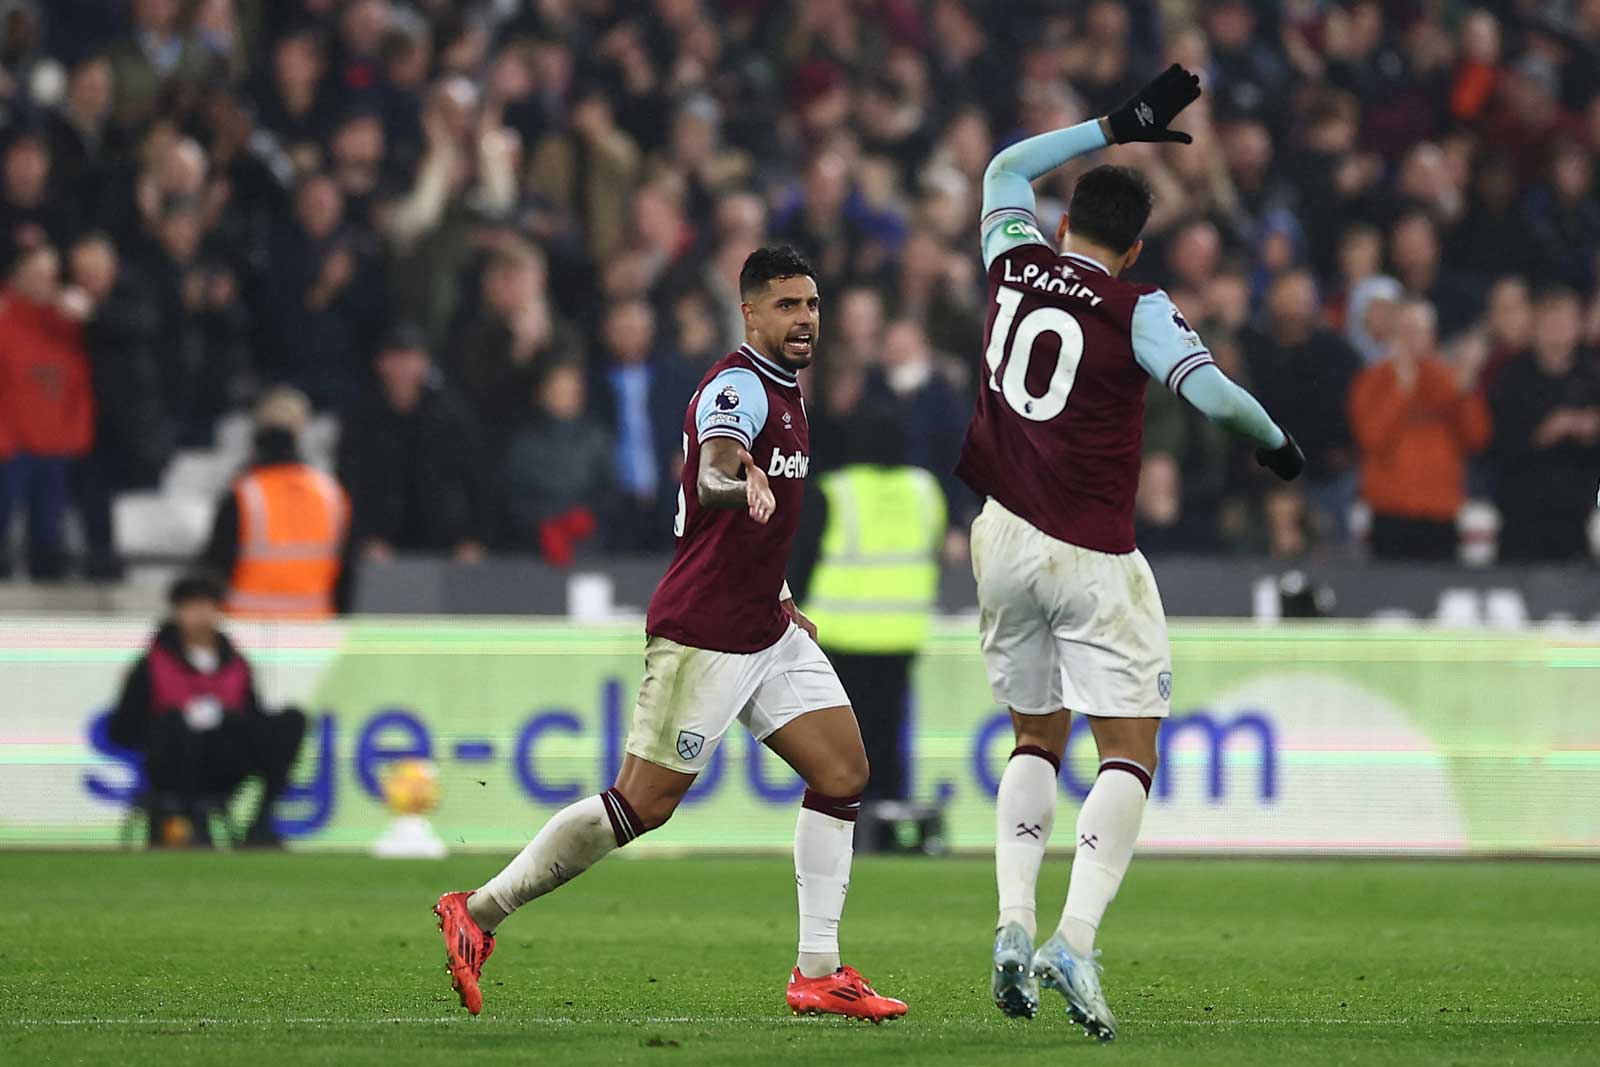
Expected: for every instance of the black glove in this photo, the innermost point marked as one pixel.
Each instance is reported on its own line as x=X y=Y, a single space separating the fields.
x=1145 y=117
x=1286 y=461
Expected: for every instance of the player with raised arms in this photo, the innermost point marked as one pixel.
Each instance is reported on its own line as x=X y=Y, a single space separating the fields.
x=1069 y=613
x=726 y=643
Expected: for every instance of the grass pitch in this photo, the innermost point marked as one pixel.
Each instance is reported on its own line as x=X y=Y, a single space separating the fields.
x=243 y=959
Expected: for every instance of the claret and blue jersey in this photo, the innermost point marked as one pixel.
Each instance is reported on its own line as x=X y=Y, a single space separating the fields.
x=1056 y=434
x=721 y=590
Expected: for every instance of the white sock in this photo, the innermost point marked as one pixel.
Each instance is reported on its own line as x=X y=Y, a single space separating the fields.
x=1108 y=826
x=1025 y=812
x=574 y=839
x=823 y=847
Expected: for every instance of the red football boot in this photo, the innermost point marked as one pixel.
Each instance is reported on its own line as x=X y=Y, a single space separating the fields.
x=844 y=992
x=466 y=948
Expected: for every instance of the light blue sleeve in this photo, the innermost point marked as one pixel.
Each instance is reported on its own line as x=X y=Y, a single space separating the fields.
x=1170 y=351
x=1164 y=343
x=733 y=404
x=1008 y=202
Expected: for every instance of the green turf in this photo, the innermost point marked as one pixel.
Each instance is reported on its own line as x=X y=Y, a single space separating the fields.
x=238 y=959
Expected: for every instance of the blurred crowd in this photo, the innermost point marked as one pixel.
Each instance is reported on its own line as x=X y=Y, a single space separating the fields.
x=501 y=239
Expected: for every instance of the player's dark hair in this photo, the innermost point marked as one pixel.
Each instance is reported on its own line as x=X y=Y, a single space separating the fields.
x=199 y=586
x=1110 y=206
x=766 y=265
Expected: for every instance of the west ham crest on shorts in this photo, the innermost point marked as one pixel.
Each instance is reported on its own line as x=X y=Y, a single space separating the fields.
x=690 y=744
x=1163 y=686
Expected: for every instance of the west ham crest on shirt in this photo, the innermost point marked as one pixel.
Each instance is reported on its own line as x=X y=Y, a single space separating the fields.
x=690 y=744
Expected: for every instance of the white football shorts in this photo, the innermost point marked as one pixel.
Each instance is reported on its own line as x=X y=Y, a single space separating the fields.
x=690 y=696
x=1068 y=627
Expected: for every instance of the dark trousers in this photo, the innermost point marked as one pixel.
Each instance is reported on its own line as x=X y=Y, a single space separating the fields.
x=1393 y=537
x=879 y=687
x=186 y=767
x=91 y=494
x=39 y=484
x=1542 y=539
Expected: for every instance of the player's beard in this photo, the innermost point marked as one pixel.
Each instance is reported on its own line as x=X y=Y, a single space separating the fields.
x=797 y=348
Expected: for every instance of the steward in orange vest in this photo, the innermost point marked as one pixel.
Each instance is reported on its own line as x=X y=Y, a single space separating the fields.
x=281 y=533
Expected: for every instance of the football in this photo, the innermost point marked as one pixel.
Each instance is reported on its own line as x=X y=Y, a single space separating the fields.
x=411 y=787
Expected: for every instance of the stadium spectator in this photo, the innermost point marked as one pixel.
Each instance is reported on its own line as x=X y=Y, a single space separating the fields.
x=1164 y=528
x=83 y=141
x=936 y=286
x=1185 y=509
x=1416 y=257
x=466 y=180
x=698 y=340
x=156 y=63
x=1546 y=450
x=133 y=438
x=1369 y=318
x=325 y=297
x=608 y=160
x=294 y=103
x=357 y=68
x=1507 y=327
x=560 y=469
x=912 y=384
x=189 y=706
x=663 y=232
x=1493 y=239
x=280 y=534
x=33 y=210
x=1302 y=373
x=27 y=72
x=855 y=327
x=46 y=408
x=1563 y=219
x=358 y=150
x=411 y=461
x=829 y=221
x=641 y=396
x=1288 y=523
x=201 y=327
x=500 y=352
x=1417 y=420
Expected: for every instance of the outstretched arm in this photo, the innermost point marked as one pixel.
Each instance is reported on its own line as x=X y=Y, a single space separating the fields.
x=729 y=415
x=1008 y=202
x=1231 y=406
x=730 y=479
x=1171 y=352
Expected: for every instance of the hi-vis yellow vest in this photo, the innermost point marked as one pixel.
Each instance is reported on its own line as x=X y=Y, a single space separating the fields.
x=875 y=584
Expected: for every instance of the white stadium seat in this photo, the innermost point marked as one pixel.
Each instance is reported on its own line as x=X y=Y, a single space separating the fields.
x=162 y=524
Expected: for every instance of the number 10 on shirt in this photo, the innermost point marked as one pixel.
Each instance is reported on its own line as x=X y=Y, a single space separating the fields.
x=1019 y=338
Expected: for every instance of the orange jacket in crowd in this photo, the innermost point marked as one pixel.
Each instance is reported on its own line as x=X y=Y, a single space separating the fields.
x=46 y=404
x=1414 y=445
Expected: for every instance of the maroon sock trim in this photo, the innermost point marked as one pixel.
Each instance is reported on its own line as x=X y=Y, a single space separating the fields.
x=1129 y=766
x=845 y=809
x=1036 y=750
x=625 y=822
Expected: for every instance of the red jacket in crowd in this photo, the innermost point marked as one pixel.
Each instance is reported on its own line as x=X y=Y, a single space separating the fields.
x=46 y=405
